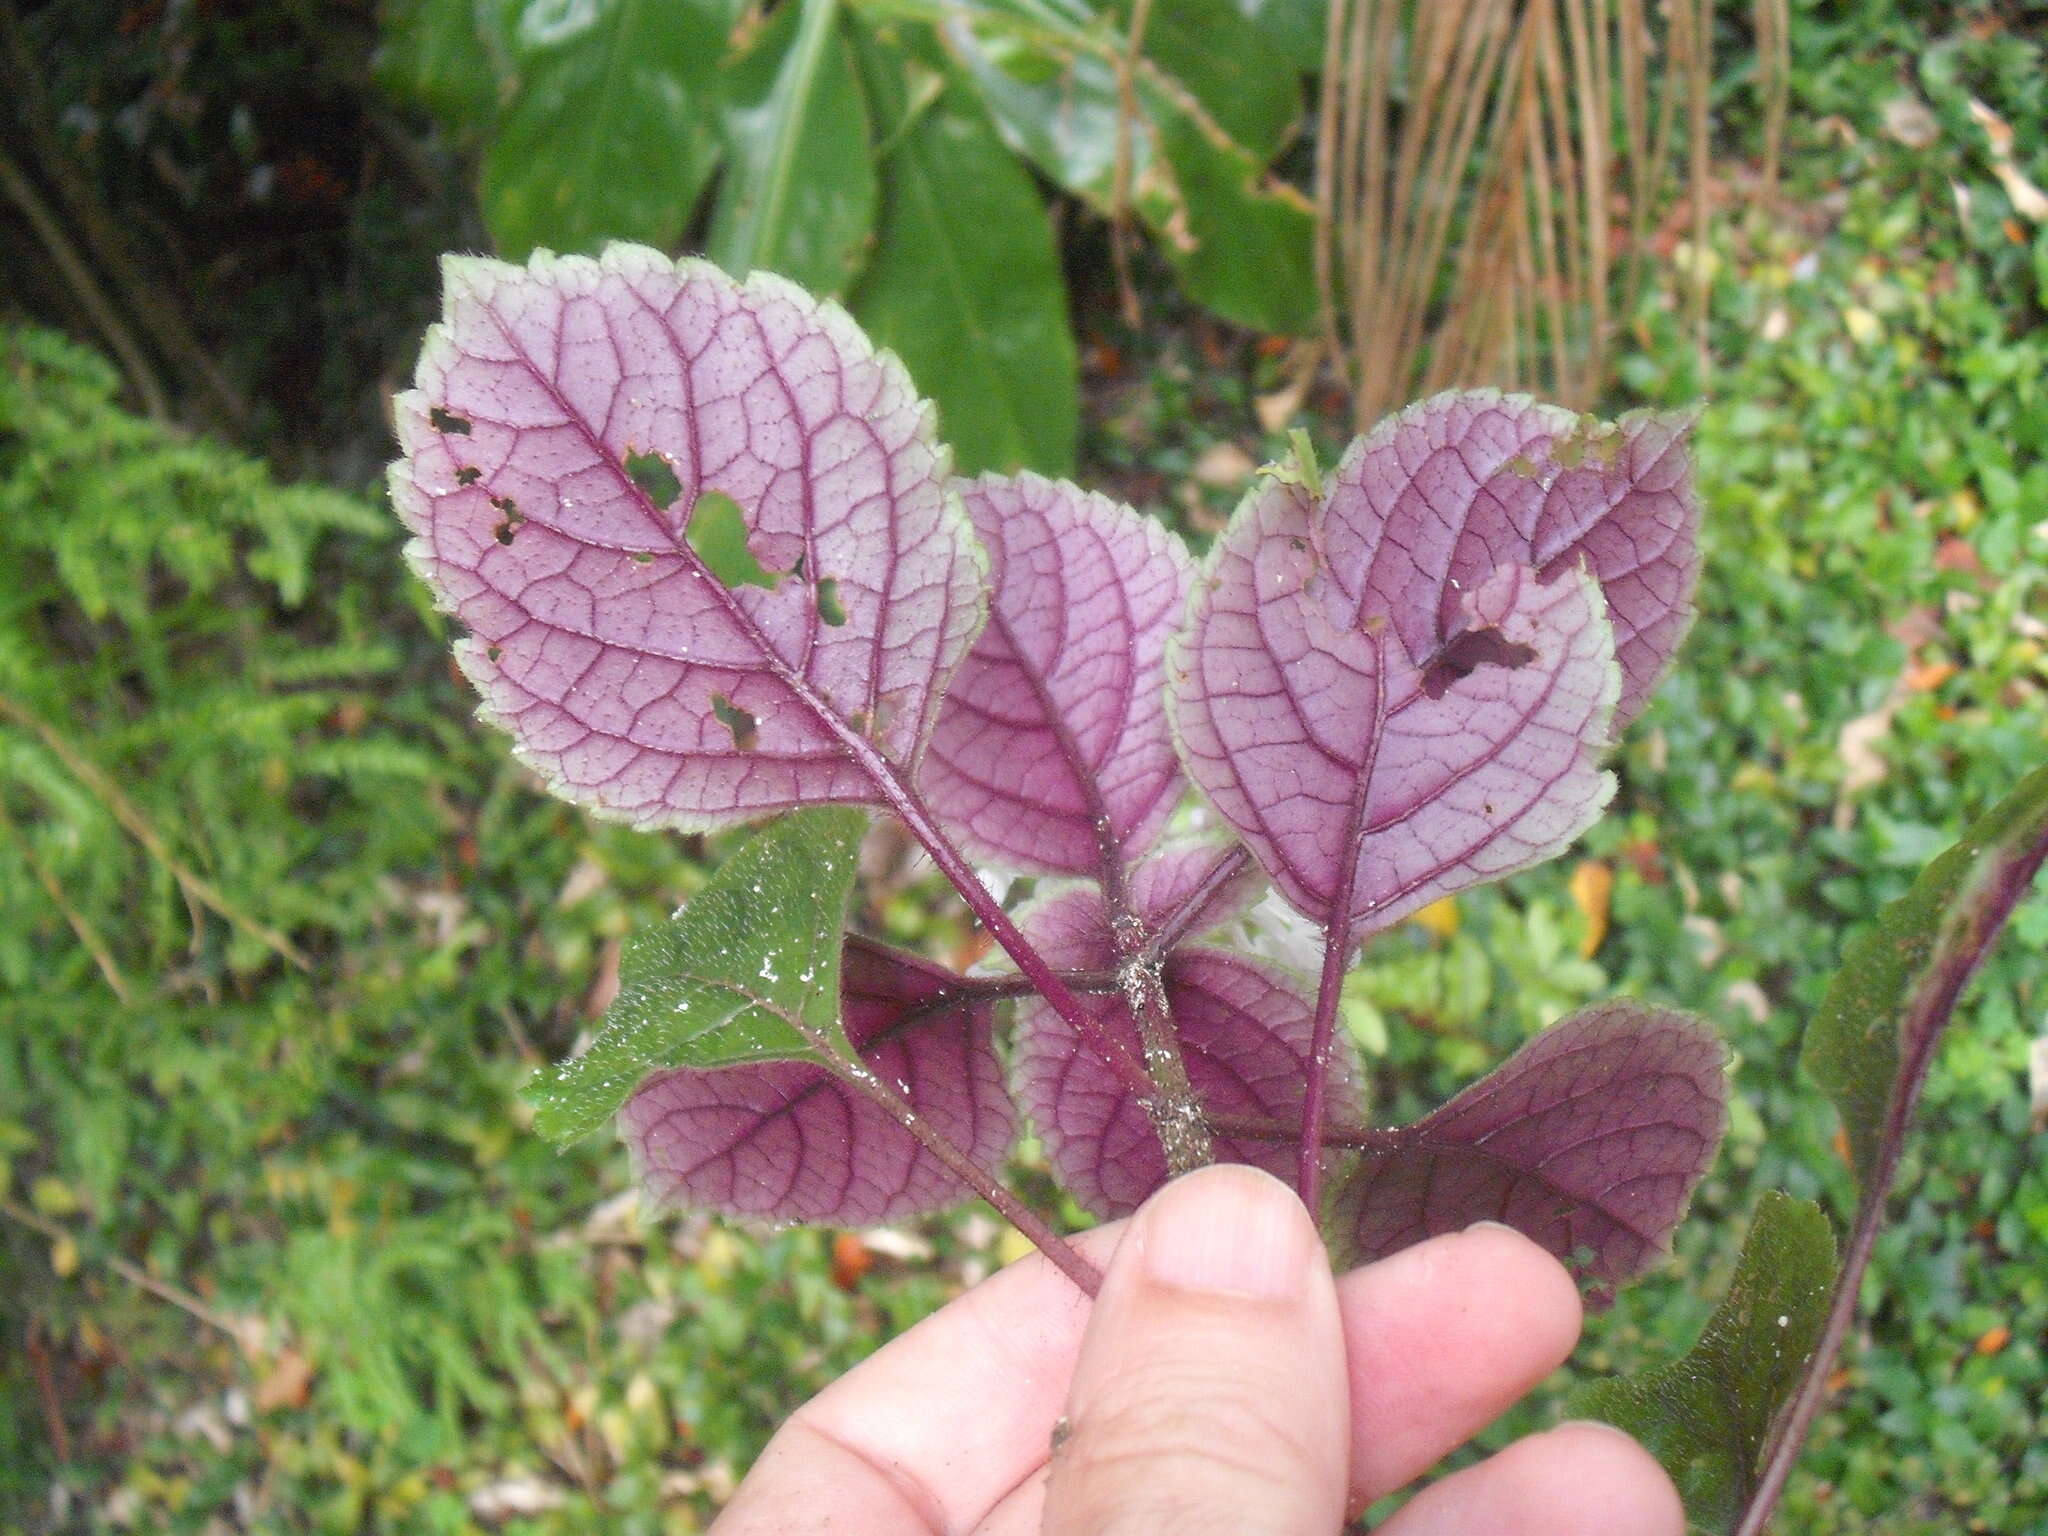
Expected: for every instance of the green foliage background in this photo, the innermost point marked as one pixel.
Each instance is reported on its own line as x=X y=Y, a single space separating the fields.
x=280 y=1252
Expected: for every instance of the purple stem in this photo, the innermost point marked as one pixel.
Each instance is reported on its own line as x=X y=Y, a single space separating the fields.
x=1336 y=949
x=1920 y=1029
x=1086 y=1277
x=1175 y=928
x=1170 y=1102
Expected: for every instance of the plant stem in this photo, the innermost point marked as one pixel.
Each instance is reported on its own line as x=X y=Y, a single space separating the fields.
x=1919 y=1032
x=199 y=892
x=910 y=809
x=1175 y=928
x=1086 y=1277
x=1337 y=928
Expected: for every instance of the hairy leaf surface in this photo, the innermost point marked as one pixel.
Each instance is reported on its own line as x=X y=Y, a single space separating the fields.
x=793 y=1141
x=1588 y=1140
x=556 y=404
x=1873 y=1037
x=1707 y=1417
x=1435 y=499
x=1371 y=779
x=1051 y=751
x=748 y=971
x=1243 y=1026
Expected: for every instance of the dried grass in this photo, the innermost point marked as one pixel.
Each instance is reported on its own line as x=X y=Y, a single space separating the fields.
x=1489 y=174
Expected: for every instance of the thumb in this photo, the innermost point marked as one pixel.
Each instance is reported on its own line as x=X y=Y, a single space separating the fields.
x=1211 y=1392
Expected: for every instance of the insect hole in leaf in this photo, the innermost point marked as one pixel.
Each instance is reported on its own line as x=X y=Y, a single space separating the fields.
x=718 y=536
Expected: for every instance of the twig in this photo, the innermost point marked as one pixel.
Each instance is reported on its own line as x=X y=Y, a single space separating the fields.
x=1120 y=171
x=197 y=889
x=54 y=889
x=134 y=1274
x=164 y=320
x=42 y=219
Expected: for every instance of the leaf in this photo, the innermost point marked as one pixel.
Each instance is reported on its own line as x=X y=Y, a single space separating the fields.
x=1244 y=1028
x=448 y=56
x=1707 y=1417
x=608 y=134
x=1051 y=752
x=798 y=196
x=793 y=1141
x=1239 y=246
x=1873 y=1037
x=1232 y=66
x=748 y=971
x=1050 y=89
x=965 y=284
x=1426 y=506
x=1175 y=872
x=1588 y=1141
x=1369 y=779
x=600 y=637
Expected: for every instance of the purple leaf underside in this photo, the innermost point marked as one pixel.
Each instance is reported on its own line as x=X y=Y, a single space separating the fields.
x=1588 y=1140
x=557 y=406
x=1071 y=927
x=1244 y=1028
x=790 y=1141
x=1370 y=779
x=1051 y=750
x=1435 y=499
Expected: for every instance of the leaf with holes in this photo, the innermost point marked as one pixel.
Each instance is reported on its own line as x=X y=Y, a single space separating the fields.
x=1051 y=752
x=776 y=635
x=794 y=1141
x=748 y=971
x=1588 y=1140
x=1371 y=778
x=1426 y=507
x=1243 y=1027
x=1708 y=1416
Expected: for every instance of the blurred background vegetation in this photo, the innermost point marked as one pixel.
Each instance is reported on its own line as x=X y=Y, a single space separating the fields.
x=285 y=931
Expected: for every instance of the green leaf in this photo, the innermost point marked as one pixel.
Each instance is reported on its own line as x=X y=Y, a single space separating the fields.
x=609 y=135
x=1707 y=1417
x=747 y=971
x=1050 y=90
x=1871 y=1040
x=1295 y=28
x=718 y=537
x=448 y=56
x=799 y=195
x=965 y=285
x=1242 y=249
x=1245 y=83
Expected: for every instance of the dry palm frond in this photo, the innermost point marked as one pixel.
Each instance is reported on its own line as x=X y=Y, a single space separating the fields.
x=1488 y=176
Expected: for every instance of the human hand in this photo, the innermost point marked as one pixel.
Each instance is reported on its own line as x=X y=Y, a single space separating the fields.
x=1223 y=1381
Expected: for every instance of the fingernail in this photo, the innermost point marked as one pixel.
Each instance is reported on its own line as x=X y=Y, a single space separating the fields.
x=1228 y=1230
x=1602 y=1424
x=1491 y=1226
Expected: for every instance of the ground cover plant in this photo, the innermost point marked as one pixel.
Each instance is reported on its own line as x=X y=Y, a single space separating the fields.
x=713 y=569
x=456 y=1329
